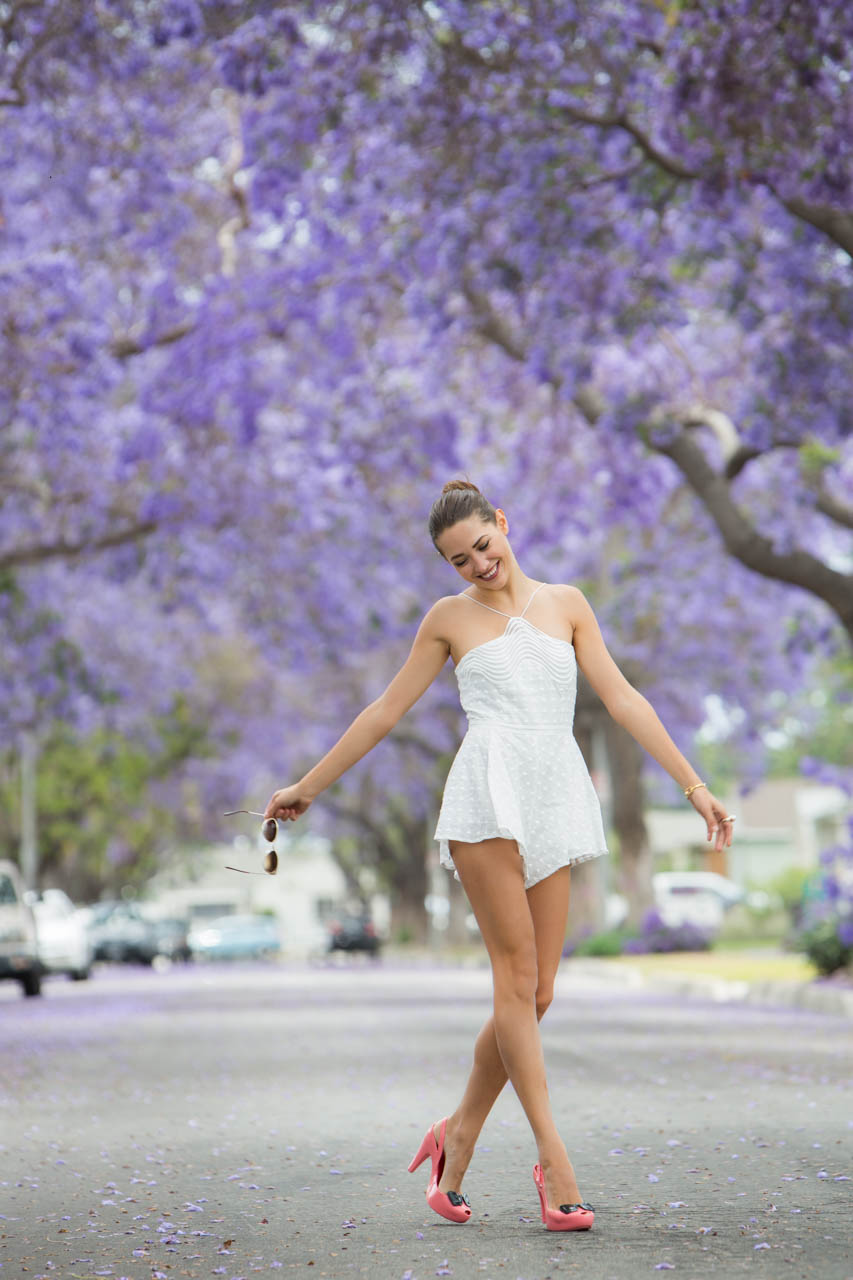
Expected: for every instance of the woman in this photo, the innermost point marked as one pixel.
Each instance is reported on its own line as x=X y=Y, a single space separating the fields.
x=518 y=811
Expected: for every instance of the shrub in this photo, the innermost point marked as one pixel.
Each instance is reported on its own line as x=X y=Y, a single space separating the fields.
x=791 y=885
x=657 y=936
x=609 y=943
x=828 y=944
x=743 y=923
x=654 y=936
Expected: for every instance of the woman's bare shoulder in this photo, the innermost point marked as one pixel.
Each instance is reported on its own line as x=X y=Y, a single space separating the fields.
x=569 y=598
x=439 y=620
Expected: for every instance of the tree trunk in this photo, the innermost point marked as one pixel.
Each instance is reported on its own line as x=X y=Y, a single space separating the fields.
x=409 y=887
x=460 y=908
x=625 y=764
x=586 y=905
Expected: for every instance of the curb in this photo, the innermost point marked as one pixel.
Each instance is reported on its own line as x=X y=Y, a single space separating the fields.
x=788 y=995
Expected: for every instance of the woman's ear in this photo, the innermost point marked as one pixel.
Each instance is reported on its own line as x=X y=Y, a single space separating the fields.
x=502 y=522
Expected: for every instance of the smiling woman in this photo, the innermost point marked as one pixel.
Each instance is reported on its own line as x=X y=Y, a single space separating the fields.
x=519 y=811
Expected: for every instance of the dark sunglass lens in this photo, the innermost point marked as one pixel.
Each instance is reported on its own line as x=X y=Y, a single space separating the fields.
x=271 y=863
x=270 y=829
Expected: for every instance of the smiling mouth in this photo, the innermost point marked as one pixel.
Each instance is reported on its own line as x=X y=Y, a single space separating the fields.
x=492 y=574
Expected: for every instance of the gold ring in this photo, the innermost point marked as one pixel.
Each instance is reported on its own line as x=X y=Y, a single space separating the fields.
x=732 y=818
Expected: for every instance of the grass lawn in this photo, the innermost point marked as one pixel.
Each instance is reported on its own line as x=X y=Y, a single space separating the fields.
x=746 y=966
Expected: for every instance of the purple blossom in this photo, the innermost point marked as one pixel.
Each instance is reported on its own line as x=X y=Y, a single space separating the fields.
x=387 y=285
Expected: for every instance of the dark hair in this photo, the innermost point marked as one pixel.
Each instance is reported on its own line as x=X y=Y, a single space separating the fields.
x=459 y=500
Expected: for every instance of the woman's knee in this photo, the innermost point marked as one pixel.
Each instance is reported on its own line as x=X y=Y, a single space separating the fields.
x=544 y=996
x=516 y=975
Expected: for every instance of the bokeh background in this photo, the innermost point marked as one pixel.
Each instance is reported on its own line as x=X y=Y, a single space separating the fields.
x=270 y=274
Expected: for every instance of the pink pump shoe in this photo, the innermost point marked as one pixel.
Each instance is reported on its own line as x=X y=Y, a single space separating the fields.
x=569 y=1217
x=447 y=1203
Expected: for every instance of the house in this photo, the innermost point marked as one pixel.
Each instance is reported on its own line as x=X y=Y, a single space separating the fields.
x=308 y=888
x=782 y=823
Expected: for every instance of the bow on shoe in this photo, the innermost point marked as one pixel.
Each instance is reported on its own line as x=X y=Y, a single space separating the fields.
x=455 y=1199
x=573 y=1208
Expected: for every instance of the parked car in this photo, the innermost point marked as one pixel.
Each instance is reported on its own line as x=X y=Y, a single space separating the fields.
x=19 y=956
x=701 y=898
x=353 y=933
x=246 y=937
x=64 y=945
x=172 y=934
x=119 y=931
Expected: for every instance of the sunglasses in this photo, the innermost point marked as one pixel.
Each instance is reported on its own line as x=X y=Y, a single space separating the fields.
x=269 y=831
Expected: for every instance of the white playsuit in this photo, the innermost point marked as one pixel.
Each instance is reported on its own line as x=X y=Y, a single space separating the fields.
x=519 y=772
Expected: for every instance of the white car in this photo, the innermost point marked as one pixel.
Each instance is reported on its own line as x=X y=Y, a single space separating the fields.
x=683 y=897
x=64 y=945
x=700 y=898
x=19 y=956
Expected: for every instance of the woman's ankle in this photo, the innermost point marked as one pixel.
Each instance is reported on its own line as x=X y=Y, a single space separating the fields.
x=462 y=1130
x=458 y=1151
x=559 y=1172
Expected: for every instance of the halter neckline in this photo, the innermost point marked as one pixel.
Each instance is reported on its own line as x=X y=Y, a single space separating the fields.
x=511 y=616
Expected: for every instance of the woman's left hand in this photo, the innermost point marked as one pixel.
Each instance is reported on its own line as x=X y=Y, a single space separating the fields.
x=714 y=814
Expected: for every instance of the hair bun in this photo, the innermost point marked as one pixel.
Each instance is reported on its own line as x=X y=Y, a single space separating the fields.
x=460 y=484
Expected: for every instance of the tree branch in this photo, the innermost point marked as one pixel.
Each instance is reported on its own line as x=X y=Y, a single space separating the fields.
x=832 y=222
x=16 y=79
x=799 y=568
x=621 y=120
x=836 y=510
x=407 y=738
x=62 y=548
x=491 y=324
x=125 y=346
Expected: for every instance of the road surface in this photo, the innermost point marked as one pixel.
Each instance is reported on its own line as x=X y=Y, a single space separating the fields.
x=242 y=1121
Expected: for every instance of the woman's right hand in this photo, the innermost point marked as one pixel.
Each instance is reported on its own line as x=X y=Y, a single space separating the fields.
x=288 y=802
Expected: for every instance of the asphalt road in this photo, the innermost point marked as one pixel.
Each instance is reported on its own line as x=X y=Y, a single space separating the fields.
x=258 y=1121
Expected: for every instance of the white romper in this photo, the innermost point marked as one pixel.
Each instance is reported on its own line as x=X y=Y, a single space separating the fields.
x=519 y=772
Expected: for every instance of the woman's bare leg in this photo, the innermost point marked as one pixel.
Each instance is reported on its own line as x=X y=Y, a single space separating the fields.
x=524 y=935
x=548 y=902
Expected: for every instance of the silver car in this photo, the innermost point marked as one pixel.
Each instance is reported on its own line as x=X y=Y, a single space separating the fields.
x=19 y=957
x=64 y=944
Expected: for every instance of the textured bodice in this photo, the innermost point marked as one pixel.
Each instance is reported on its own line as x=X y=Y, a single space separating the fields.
x=519 y=774
x=523 y=679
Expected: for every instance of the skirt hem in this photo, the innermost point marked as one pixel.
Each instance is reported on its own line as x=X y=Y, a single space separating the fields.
x=569 y=860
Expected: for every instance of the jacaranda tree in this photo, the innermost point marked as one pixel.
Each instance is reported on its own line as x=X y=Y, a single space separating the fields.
x=272 y=272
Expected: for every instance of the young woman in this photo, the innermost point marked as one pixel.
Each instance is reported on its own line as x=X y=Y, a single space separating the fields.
x=519 y=810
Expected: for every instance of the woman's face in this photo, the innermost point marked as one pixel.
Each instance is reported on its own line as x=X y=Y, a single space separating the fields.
x=479 y=551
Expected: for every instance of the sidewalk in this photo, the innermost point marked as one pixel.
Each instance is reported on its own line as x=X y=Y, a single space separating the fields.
x=710 y=979
x=727 y=977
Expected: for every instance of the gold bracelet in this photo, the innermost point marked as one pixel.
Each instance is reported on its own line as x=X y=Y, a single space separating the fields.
x=688 y=791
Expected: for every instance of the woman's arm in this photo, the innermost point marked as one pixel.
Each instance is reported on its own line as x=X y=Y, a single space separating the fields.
x=427 y=656
x=635 y=713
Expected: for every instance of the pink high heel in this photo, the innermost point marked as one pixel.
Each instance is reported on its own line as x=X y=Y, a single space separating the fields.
x=447 y=1203
x=569 y=1217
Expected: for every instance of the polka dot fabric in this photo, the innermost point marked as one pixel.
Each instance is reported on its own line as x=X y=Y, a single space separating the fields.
x=519 y=772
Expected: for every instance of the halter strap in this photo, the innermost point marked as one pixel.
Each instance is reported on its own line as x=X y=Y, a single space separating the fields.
x=530 y=601
x=473 y=600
